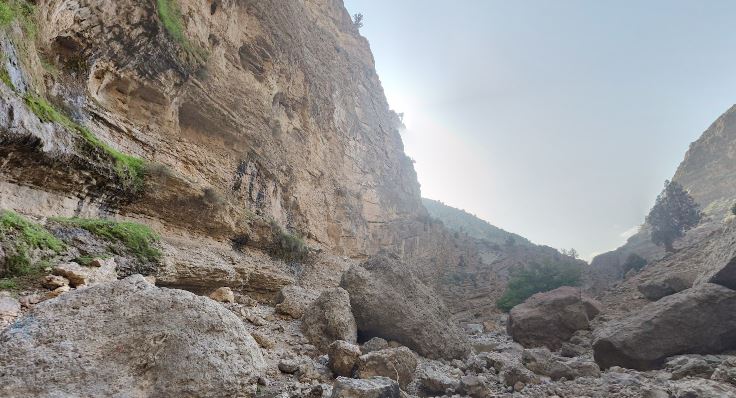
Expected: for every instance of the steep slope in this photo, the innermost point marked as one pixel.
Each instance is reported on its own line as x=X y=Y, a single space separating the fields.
x=462 y=221
x=707 y=172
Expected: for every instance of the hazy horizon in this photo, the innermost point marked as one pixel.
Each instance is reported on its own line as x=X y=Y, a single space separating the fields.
x=558 y=121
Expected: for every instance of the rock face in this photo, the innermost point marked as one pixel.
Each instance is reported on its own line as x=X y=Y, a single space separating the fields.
x=551 y=318
x=128 y=338
x=707 y=173
x=700 y=320
x=398 y=364
x=329 y=319
x=390 y=302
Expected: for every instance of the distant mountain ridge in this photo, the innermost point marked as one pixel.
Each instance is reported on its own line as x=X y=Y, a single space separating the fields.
x=462 y=221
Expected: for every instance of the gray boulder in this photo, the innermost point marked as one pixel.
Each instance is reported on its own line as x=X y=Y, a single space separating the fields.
x=435 y=382
x=342 y=357
x=294 y=300
x=551 y=318
x=542 y=362
x=665 y=285
x=375 y=387
x=374 y=344
x=329 y=319
x=398 y=364
x=388 y=301
x=128 y=338
x=701 y=320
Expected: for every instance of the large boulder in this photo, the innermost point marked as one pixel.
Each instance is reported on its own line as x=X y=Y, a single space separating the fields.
x=342 y=357
x=551 y=318
x=128 y=338
x=390 y=302
x=701 y=320
x=720 y=265
x=294 y=300
x=664 y=286
x=329 y=319
x=398 y=364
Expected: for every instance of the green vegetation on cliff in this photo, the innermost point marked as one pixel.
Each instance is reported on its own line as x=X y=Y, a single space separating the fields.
x=138 y=238
x=20 y=237
x=172 y=20
x=21 y=10
x=287 y=246
x=536 y=278
x=129 y=169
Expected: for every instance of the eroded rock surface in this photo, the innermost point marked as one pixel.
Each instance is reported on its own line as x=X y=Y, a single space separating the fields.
x=128 y=338
x=388 y=301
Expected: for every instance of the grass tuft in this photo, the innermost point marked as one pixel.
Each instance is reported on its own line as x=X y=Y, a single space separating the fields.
x=138 y=238
x=171 y=17
x=8 y=284
x=7 y=14
x=25 y=236
x=33 y=235
x=21 y=10
x=129 y=169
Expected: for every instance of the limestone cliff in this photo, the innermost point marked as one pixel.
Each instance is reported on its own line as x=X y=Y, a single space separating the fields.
x=233 y=128
x=255 y=110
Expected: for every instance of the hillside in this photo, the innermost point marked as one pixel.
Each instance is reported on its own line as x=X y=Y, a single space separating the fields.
x=707 y=172
x=464 y=222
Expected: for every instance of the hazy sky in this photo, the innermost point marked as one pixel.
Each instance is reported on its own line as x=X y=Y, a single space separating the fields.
x=558 y=120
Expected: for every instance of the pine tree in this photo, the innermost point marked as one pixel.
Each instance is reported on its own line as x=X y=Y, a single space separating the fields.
x=674 y=213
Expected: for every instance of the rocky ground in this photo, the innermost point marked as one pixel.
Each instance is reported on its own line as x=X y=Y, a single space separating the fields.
x=286 y=362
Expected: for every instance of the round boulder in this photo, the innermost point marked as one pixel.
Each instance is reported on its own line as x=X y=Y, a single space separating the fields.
x=551 y=318
x=128 y=338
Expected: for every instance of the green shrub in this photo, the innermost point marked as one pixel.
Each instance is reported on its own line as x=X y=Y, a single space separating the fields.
x=129 y=169
x=138 y=238
x=8 y=284
x=86 y=260
x=524 y=282
x=287 y=246
x=733 y=209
